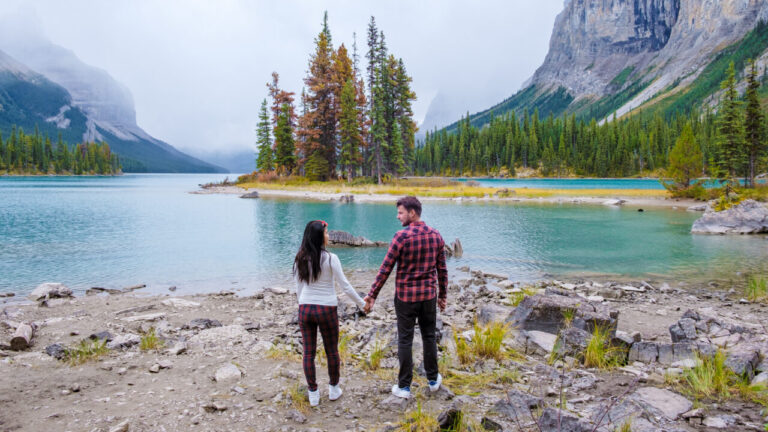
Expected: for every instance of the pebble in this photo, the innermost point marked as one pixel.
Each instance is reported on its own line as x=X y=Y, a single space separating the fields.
x=155 y=368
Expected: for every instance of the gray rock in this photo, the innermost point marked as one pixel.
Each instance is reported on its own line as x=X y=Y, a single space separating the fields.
x=296 y=416
x=491 y=425
x=717 y=422
x=743 y=361
x=646 y=352
x=517 y=405
x=124 y=341
x=177 y=348
x=545 y=312
x=215 y=406
x=252 y=194
x=554 y=420
x=394 y=403
x=492 y=313
x=537 y=342
x=669 y=404
x=228 y=373
x=155 y=368
x=450 y=417
x=201 y=324
x=123 y=426
x=573 y=341
x=760 y=379
x=57 y=351
x=50 y=290
x=748 y=217
x=102 y=336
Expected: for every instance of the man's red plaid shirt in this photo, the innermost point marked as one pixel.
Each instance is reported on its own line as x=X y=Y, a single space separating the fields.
x=418 y=251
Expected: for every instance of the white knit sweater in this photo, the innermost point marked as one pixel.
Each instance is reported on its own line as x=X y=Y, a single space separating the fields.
x=321 y=291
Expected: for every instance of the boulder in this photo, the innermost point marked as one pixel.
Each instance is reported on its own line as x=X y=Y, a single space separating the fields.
x=394 y=403
x=517 y=406
x=661 y=401
x=573 y=341
x=748 y=217
x=124 y=341
x=555 y=420
x=546 y=312
x=50 y=290
x=347 y=198
x=492 y=313
x=201 y=324
x=537 y=342
x=57 y=351
x=228 y=373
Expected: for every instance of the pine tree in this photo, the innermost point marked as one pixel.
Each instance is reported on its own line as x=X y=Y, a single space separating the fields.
x=285 y=159
x=685 y=159
x=264 y=159
x=730 y=127
x=753 y=125
x=349 y=130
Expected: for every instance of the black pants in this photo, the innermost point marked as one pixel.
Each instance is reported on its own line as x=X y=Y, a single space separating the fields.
x=407 y=315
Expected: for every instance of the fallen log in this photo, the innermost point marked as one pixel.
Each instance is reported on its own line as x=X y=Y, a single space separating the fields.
x=22 y=338
x=134 y=288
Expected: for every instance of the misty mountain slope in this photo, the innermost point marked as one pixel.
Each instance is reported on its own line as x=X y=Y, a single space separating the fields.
x=49 y=87
x=609 y=58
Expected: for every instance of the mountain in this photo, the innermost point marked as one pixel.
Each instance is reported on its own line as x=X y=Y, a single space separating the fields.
x=443 y=110
x=46 y=86
x=611 y=57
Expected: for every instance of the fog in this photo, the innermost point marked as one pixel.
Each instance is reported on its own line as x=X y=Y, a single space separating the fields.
x=197 y=69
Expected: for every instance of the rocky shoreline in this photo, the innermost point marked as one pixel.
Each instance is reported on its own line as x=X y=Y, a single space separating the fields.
x=232 y=363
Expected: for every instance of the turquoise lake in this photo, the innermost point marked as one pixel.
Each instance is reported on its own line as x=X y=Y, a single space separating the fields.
x=119 y=231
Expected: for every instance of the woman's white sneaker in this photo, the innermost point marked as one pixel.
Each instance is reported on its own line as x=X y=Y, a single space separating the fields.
x=314 y=397
x=334 y=392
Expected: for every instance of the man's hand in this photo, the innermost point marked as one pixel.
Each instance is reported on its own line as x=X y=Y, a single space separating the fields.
x=441 y=304
x=369 y=301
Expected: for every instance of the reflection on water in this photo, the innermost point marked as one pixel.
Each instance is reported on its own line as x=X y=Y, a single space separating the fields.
x=120 y=231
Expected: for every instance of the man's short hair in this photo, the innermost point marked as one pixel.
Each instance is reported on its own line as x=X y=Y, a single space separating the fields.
x=410 y=203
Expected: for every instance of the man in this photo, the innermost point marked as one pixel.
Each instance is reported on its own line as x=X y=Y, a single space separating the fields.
x=418 y=252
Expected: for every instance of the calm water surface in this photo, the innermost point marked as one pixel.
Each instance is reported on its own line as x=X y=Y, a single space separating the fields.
x=119 y=231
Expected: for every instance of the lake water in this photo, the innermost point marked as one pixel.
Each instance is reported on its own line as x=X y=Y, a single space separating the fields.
x=119 y=231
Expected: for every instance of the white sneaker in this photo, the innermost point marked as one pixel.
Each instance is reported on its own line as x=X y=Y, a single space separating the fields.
x=314 y=397
x=334 y=392
x=404 y=393
x=435 y=385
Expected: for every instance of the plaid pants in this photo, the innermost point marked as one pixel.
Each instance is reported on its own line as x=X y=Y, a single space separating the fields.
x=326 y=318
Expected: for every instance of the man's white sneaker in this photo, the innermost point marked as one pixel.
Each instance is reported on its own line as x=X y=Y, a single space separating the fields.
x=435 y=385
x=334 y=392
x=314 y=397
x=404 y=393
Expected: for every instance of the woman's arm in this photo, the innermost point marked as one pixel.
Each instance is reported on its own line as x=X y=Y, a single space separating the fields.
x=338 y=275
x=299 y=284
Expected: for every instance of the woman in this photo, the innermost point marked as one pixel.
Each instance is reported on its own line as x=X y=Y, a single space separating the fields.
x=315 y=270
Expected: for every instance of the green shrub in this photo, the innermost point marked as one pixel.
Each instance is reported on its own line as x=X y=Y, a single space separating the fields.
x=87 y=350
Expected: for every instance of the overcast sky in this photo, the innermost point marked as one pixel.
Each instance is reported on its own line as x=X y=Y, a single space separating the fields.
x=197 y=69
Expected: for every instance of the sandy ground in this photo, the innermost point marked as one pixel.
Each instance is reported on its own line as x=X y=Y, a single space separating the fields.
x=383 y=198
x=126 y=386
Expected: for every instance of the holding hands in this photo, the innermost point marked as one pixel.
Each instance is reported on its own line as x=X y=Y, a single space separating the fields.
x=369 y=301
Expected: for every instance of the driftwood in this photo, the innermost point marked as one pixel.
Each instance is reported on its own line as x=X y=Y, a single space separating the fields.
x=134 y=288
x=22 y=338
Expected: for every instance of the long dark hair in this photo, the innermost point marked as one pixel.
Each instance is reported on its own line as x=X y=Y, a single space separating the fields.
x=307 y=261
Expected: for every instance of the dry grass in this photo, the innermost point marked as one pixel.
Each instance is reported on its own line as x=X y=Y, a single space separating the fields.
x=277 y=352
x=299 y=399
x=757 y=289
x=599 y=354
x=418 y=420
x=378 y=351
x=709 y=379
x=150 y=341
x=86 y=351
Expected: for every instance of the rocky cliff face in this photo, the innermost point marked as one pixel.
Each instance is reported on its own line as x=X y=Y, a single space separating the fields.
x=600 y=46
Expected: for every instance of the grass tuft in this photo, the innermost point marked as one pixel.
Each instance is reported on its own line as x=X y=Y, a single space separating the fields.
x=277 y=352
x=150 y=341
x=488 y=339
x=757 y=289
x=709 y=379
x=378 y=351
x=299 y=398
x=463 y=351
x=625 y=427
x=86 y=351
x=599 y=354
x=517 y=297
x=418 y=420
